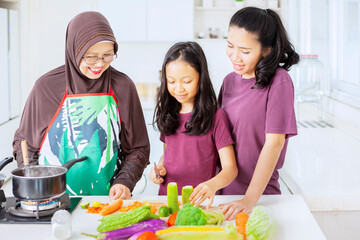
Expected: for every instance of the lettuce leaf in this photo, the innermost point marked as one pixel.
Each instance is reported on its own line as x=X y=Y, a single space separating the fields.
x=261 y=224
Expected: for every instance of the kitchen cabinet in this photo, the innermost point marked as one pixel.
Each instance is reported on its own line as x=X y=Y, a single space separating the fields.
x=149 y=20
x=217 y=15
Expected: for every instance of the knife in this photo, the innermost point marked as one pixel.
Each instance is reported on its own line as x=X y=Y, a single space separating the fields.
x=157 y=172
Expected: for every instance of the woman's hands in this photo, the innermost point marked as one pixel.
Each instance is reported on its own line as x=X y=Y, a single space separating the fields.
x=119 y=191
x=162 y=172
x=231 y=209
x=202 y=192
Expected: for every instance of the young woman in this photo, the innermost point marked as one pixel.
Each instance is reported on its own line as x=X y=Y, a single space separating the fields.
x=258 y=98
x=87 y=108
x=194 y=130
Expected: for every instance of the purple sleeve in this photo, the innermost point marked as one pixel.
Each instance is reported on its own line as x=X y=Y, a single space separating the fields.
x=221 y=131
x=280 y=112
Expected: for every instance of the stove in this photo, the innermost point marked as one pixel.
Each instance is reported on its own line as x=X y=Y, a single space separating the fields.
x=14 y=210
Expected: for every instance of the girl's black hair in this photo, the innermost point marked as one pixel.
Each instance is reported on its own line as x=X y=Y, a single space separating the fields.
x=166 y=115
x=267 y=25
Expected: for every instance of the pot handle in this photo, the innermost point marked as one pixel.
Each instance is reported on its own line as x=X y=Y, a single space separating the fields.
x=5 y=162
x=70 y=163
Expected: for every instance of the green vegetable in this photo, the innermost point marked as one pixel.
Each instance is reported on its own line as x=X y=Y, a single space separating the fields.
x=164 y=211
x=85 y=205
x=151 y=216
x=261 y=224
x=186 y=192
x=214 y=217
x=195 y=216
x=120 y=220
x=172 y=197
x=190 y=215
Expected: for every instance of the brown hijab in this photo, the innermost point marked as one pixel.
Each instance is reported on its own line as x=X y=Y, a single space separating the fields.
x=83 y=31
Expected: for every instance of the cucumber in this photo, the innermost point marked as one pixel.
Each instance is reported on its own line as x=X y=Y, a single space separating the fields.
x=185 y=193
x=172 y=197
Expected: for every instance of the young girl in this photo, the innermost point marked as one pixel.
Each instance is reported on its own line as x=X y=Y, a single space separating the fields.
x=194 y=130
x=258 y=98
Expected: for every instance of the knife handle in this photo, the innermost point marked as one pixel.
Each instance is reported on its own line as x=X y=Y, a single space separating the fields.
x=24 y=150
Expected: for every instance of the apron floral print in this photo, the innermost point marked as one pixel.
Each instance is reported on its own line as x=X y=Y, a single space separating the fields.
x=85 y=125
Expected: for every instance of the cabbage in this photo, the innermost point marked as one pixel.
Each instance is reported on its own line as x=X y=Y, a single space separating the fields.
x=261 y=224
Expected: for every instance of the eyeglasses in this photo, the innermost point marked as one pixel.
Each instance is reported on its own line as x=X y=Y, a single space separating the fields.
x=90 y=60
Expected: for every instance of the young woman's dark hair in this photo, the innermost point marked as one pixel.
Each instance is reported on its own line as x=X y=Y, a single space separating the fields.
x=205 y=106
x=267 y=25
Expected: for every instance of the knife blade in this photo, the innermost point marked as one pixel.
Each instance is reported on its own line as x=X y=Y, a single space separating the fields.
x=157 y=172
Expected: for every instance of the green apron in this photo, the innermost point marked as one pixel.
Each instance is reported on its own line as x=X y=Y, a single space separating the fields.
x=85 y=125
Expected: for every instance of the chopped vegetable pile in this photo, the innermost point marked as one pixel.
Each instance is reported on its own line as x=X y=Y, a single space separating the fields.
x=138 y=221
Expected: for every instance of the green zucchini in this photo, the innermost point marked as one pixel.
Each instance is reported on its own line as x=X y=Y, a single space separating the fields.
x=172 y=197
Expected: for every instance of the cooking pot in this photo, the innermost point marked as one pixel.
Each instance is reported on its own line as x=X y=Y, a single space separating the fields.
x=41 y=182
x=3 y=163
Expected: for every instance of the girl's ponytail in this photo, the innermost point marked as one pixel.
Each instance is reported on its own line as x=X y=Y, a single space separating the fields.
x=286 y=52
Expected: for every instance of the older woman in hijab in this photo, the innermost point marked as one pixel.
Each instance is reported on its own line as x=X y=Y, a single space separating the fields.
x=87 y=108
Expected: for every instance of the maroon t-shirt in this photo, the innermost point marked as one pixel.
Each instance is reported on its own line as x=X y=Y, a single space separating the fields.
x=190 y=160
x=252 y=113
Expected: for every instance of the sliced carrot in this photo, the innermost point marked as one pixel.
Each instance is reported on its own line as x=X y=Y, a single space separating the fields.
x=136 y=204
x=240 y=222
x=153 y=209
x=112 y=207
x=96 y=209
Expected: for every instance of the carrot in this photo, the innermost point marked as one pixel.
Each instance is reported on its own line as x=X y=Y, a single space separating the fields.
x=112 y=207
x=96 y=209
x=172 y=219
x=136 y=204
x=240 y=222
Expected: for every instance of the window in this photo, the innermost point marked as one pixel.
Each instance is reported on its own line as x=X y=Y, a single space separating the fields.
x=9 y=67
x=348 y=44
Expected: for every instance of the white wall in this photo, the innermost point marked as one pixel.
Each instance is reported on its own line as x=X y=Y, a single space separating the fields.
x=43 y=25
x=142 y=61
x=42 y=31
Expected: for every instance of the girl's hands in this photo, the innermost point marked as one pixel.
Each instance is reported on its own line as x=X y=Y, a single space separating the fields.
x=119 y=191
x=162 y=171
x=231 y=209
x=202 y=192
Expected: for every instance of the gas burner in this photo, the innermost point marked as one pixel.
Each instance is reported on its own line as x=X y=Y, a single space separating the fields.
x=12 y=212
x=43 y=205
x=39 y=209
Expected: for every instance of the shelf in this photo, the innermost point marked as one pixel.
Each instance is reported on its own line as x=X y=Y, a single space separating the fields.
x=210 y=39
x=216 y=8
x=228 y=8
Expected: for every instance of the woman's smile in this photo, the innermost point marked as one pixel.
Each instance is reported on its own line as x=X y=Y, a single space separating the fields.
x=95 y=70
x=238 y=67
x=181 y=96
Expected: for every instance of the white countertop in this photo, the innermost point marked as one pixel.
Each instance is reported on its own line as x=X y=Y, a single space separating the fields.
x=323 y=164
x=295 y=221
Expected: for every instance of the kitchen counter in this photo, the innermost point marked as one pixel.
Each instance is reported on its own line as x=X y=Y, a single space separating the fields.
x=295 y=221
x=322 y=165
